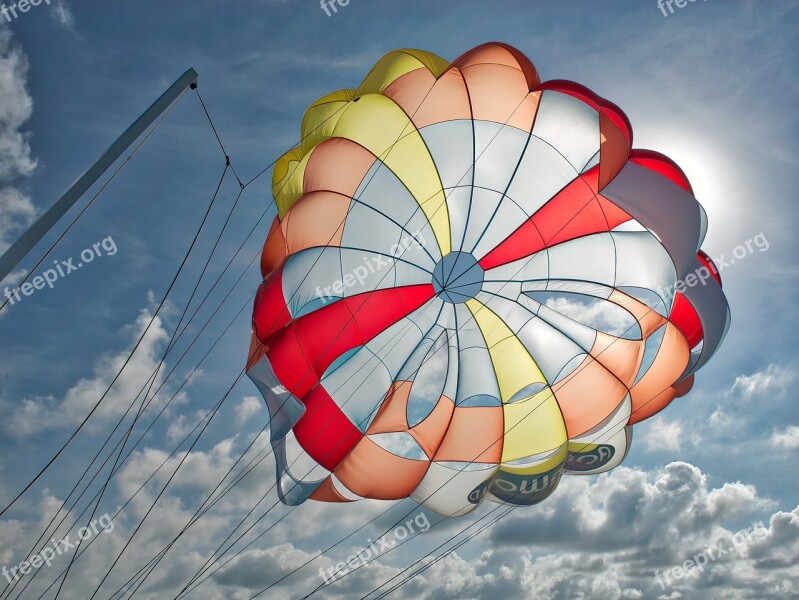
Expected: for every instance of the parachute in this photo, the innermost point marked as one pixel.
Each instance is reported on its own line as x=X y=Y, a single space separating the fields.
x=473 y=286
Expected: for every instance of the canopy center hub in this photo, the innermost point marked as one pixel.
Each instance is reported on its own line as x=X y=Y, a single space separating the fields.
x=458 y=277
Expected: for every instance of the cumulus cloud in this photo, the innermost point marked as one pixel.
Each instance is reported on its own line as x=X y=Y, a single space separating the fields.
x=180 y=427
x=663 y=435
x=603 y=537
x=599 y=537
x=248 y=407
x=787 y=439
x=260 y=568
x=607 y=537
x=720 y=419
x=772 y=379
x=39 y=413
x=16 y=163
x=142 y=478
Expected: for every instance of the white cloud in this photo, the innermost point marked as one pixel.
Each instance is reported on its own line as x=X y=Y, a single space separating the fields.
x=601 y=315
x=600 y=538
x=772 y=379
x=199 y=474
x=16 y=213
x=14 y=277
x=663 y=435
x=787 y=439
x=180 y=427
x=597 y=538
x=249 y=406
x=720 y=419
x=63 y=15
x=260 y=568
x=16 y=106
x=606 y=538
x=39 y=413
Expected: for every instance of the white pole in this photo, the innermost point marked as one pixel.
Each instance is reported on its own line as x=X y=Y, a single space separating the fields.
x=28 y=240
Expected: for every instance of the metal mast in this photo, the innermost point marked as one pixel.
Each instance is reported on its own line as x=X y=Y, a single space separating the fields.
x=28 y=240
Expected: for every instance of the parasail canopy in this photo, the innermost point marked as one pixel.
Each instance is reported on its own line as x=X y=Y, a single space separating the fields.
x=474 y=285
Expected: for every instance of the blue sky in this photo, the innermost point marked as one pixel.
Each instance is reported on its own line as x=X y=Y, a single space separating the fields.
x=712 y=85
